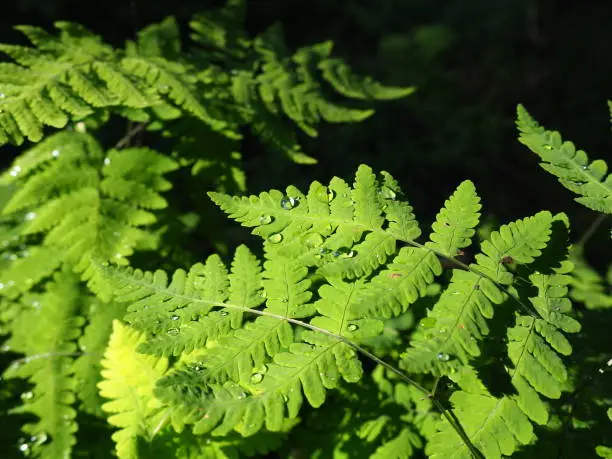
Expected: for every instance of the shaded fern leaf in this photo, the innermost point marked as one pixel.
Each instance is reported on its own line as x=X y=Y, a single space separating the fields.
x=450 y=334
x=85 y=204
x=570 y=166
x=128 y=381
x=499 y=425
x=48 y=365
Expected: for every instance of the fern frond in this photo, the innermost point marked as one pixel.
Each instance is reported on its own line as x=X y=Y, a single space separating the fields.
x=406 y=278
x=272 y=391
x=570 y=166
x=48 y=365
x=86 y=204
x=92 y=343
x=458 y=321
x=183 y=320
x=340 y=76
x=128 y=381
x=336 y=228
x=498 y=426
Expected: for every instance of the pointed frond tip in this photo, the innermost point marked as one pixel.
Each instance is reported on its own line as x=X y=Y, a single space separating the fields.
x=589 y=180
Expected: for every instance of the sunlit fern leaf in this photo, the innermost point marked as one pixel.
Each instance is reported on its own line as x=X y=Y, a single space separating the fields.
x=450 y=334
x=185 y=335
x=48 y=365
x=499 y=425
x=337 y=228
x=84 y=203
x=275 y=390
x=571 y=166
x=128 y=382
x=93 y=343
x=406 y=278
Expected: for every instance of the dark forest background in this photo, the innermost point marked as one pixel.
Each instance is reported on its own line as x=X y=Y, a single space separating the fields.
x=471 y=61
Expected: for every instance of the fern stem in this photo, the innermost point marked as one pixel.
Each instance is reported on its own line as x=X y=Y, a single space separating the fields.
x=454 y=422
x=591 y=230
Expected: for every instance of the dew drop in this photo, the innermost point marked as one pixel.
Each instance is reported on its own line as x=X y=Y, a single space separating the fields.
x=275 y=238
x=387 y=193
x=174 y=317
x=265 y=219
x=289 y=203
x=336 y=253
x=256 y=378
x=352 y=327
x=15 y=171
x=55 y=153
x=442 y=356
x=24 y=447
x=107 y=161
x=30 y=216
x=27 y=395
x=242 y=395
x=173 y=331
x=39 y=439
x=224 y=313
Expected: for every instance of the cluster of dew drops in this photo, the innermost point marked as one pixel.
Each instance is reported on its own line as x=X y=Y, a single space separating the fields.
x=312 y=240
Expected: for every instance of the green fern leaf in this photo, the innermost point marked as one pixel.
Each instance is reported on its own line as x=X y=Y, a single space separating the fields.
x=48 y=365
x=128 y=381
x=93 y=342
x=406 y=278
x=497 y=426
x=86 y=204
x=572 y=167
x=340 y=76
x=450 y=333
x=336 y=228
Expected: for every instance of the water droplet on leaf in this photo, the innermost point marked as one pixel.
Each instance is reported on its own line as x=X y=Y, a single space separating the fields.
x=173 y=331
x=15 y=171
x=55 y=153
x=442 y=356
x=175 y=317
x=265 y=219
x=30 y=216
x=224 y=313
x=288 y=203
x=352 y=327
x=27 y=395
x=107 y=161
x=387 y=193
x=275 y=238
x=256 y=378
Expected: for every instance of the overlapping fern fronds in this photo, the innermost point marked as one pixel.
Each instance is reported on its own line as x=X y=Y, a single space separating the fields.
x=335 y=267
x=86 y=203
